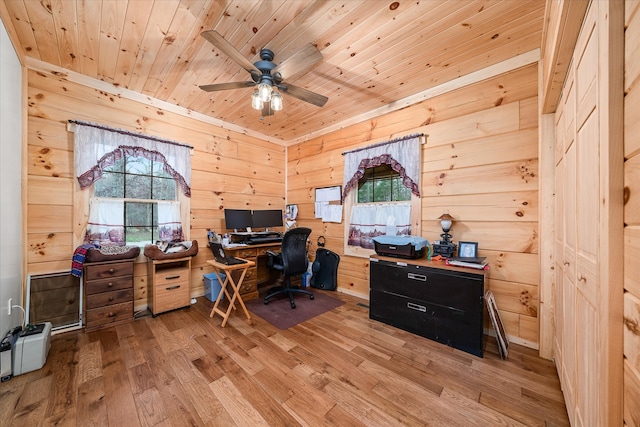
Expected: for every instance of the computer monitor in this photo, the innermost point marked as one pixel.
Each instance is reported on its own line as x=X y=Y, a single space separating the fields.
x=266 y=218
x=237 y=219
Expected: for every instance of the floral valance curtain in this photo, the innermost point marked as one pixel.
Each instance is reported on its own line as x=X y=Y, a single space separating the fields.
x=106 y=222
x=402 y=154
x=371 y=220
x=97 y=147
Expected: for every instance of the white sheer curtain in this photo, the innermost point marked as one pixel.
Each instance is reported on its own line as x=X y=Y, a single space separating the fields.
x=371 y=220
x=96 y=147
x=170 y=222
x=106 y=222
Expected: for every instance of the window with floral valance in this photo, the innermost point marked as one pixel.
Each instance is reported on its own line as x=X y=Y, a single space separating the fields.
x=367 y=220
x=135 y=178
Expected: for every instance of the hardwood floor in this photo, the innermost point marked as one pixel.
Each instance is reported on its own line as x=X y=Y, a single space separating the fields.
x=340 y=368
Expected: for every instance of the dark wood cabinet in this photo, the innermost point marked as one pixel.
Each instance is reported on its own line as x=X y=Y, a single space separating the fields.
x=108 y=293
x=430 y=299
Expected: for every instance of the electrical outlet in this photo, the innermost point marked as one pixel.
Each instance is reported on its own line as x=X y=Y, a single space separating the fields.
x=9 y=306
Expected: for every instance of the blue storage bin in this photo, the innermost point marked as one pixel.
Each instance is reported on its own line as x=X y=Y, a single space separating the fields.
x=212 y=286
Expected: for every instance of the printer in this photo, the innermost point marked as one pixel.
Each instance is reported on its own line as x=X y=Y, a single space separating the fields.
x=410 y=247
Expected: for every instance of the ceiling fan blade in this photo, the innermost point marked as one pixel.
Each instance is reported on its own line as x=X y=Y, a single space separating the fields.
x=214 y=37
x=304 y=94
x=297 y=63
x=225 y=86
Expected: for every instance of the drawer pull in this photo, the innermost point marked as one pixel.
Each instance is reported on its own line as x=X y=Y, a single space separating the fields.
x=172 y=277
x=111 y=298
x=112 y=270
x=111 y=314
x=417 y=307
x=170 y=288
x=415 y=276
x=110 y=285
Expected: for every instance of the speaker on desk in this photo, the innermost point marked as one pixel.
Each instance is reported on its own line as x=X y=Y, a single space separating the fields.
x=325 y=270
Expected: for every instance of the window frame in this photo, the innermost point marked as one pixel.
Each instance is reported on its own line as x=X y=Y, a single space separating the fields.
x=390 y=175
x=352 y=200
x=151 y=176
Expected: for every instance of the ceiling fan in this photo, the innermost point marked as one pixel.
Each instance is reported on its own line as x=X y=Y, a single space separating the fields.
x=265 y=74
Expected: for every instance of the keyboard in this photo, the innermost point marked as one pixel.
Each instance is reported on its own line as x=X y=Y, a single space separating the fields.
x=258 y=240
x=233 y=261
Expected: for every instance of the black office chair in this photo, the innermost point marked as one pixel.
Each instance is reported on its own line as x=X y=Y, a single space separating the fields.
x=292 y=261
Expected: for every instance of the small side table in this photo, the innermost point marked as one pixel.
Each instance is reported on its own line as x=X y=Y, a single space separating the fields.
x=235 y=288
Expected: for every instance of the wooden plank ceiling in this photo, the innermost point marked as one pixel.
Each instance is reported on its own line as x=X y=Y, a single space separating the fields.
x=375 y=52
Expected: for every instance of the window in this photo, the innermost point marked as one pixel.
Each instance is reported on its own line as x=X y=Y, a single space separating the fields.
x=385 y=177
x=140 y=182
x=382 y=184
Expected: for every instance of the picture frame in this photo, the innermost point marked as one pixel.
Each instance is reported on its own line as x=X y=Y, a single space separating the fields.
x=467 y=249
x=498 y=326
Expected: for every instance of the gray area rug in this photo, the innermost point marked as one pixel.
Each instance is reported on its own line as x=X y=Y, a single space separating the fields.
x=280 y=314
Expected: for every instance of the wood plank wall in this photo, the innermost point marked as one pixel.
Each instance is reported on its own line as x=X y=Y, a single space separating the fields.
x=229 y=169
x=479 y=162
x=632 y=216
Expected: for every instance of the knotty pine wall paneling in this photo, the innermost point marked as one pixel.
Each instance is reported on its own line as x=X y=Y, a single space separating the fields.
x=479 y=162
x=632 y=216
x=229 y=169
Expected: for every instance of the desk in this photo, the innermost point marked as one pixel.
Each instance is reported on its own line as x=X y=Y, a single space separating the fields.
x=260 y=273
x=235 y=287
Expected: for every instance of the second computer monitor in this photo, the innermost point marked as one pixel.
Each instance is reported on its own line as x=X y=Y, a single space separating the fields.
x=266 y=218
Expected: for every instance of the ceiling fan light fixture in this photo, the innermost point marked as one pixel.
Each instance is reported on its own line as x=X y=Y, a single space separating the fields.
x=256 y=100
x=276 y=101
x=265 y=91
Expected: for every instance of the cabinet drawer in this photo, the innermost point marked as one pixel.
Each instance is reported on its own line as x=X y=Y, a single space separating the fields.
x=171 y=296
x=171 y=275
x=451 y=289
x=250 y=282
x=107 y=285
x=263 y=251
x=249 y=285
x=110 y=314
x=109 y=298
x=103 y=271
x=455 y=328
x=247 y=253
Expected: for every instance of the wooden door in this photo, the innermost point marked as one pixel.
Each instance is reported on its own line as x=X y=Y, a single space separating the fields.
x=587 y=220
x=586 y=306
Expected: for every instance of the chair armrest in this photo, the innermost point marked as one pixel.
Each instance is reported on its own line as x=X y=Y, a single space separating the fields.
x=273 y=257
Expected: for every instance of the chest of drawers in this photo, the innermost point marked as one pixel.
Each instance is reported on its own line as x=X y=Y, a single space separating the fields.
x=169 y=284
x=108 y=293
x=442 y=303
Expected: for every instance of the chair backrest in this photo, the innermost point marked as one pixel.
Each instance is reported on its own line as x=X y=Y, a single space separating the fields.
x=294 y=251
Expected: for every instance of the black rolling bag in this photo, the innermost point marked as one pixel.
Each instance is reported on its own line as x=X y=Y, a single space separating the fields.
x=325 y=268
